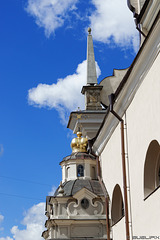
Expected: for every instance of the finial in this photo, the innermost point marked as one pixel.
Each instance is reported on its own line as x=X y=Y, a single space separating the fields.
x=89 y=30
x=60 y=190
x=79 y=144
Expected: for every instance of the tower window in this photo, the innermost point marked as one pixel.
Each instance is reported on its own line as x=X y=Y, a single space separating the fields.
x=85 y=203
x=80 y=171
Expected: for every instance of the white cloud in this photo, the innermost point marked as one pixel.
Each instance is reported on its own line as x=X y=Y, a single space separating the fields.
x=1 y=218
x=1 y=149
x=7 y=238
x=51 y=193
x=50 y=14
x=34 y=221
x=112 y=21
x=65 y=95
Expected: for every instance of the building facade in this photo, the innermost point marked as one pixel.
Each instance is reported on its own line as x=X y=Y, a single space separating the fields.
x=121 y=123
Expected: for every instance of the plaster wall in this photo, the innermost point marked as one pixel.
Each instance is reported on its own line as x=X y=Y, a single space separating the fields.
x=63 y=173
x=79 y=230
x=87 y=170
x=87 y=230
x=143 y=126
x=118 y=230
x=69 y=170
x=111 y=165
x=72 y=172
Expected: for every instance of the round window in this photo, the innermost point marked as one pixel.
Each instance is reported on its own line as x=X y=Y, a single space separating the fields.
x=85 y=203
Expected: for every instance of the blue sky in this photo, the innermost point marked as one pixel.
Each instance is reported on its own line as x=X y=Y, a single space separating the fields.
x=42 y=69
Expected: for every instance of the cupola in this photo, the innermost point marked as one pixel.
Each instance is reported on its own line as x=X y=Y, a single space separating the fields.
x=78 y=165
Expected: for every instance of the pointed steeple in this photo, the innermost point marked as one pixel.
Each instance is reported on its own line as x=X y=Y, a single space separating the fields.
x=91 y=65
x=92 y=89
x=88 y=120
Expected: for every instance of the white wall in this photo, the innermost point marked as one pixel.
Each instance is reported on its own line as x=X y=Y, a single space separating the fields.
x=143 y=126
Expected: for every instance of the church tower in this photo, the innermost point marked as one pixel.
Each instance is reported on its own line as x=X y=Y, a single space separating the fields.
x=90 y=119
x=77 y=209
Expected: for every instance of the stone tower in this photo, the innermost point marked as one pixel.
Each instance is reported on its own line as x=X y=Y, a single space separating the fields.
x=77 y=209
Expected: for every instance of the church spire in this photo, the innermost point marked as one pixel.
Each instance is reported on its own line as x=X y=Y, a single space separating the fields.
x=92 y=89
x=91 y=66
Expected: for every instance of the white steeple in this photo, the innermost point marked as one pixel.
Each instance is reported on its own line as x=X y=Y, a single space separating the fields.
x=92 y=89
x=91 y=66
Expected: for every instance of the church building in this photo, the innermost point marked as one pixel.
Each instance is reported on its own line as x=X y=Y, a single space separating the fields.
x=110 y=185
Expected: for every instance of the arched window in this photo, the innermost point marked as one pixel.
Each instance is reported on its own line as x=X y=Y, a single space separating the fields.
x=117 y=210
x=152 y=168
x=80 y=171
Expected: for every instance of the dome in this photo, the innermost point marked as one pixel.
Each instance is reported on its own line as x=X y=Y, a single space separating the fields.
x=73 y=186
